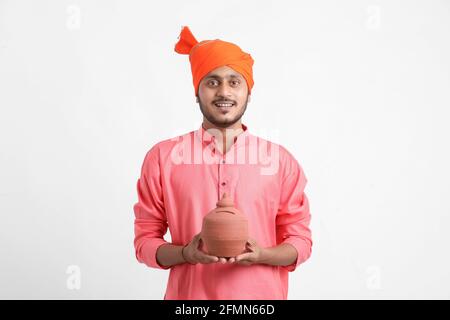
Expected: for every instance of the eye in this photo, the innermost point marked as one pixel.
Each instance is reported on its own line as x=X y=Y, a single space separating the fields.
x=212 y=83
x=235 y=83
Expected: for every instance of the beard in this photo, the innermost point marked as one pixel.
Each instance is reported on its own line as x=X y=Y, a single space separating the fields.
x=222 y=123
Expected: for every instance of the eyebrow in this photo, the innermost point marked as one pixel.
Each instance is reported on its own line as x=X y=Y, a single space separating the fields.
x=215 y=76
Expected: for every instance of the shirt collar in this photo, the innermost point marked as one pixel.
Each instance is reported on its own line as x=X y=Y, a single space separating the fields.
x=207 y=137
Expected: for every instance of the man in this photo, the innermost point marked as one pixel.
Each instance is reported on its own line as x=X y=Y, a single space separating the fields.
x=183 y=178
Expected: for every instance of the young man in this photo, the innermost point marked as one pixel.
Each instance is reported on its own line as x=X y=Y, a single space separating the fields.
x=183 y=178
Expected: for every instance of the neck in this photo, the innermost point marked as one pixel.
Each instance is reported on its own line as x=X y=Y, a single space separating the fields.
x=236 y=127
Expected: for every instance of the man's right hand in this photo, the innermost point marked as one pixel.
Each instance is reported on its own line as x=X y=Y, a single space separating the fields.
x=193 y=253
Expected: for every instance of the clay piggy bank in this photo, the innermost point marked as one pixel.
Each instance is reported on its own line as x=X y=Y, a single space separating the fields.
x=225 y=229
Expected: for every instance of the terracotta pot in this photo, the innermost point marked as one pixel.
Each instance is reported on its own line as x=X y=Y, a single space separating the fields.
x=225 y=230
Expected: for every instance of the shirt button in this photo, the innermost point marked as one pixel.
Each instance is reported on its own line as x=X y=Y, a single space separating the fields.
x=224 y=183
x=223 y=161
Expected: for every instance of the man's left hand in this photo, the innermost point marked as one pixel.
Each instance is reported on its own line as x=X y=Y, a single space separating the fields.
x=252 y=255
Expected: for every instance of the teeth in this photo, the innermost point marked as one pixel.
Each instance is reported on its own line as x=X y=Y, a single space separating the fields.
x=224 y=104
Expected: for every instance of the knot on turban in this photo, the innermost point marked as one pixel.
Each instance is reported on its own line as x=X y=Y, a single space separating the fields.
x=208 y=55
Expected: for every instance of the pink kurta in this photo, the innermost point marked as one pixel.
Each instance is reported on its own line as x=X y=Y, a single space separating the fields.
x=181 y=181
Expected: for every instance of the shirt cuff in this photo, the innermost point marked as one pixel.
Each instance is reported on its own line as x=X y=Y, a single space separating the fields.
x=303 y=252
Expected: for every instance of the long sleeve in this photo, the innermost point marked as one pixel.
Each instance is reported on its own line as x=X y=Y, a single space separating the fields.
x=150 y=224
x=293 y=218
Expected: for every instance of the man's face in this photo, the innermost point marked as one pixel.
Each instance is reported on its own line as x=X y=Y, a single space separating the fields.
x=223 y=96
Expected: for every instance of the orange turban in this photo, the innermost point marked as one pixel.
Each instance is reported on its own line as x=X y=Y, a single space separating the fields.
x=208 y=55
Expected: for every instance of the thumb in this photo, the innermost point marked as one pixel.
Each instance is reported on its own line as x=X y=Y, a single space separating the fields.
x=248 y=247
x=201 y=245
x=196 y=238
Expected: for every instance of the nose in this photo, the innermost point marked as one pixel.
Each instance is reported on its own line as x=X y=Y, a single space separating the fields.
x=224 y=90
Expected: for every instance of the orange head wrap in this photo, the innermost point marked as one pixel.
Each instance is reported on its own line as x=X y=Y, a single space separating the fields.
x=208 y=55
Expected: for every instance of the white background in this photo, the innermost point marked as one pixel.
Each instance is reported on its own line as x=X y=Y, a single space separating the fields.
x=358 y=91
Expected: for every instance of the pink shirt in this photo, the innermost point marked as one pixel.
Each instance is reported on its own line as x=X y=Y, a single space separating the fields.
x=181 y=181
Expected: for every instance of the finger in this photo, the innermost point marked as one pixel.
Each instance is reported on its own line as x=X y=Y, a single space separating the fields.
x=231 y=260
x=223 y=260
x=244 y=256
x=244 y=262
x=205 y=258
x=210 y=259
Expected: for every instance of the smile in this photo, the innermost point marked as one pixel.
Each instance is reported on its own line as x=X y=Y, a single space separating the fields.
x=224 y=104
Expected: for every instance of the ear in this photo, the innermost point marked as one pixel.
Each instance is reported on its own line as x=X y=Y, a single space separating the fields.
x=249 y=98
x=196 y=99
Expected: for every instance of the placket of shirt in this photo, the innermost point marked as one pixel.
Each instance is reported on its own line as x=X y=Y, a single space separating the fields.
x=224 y=171
x=222 y=178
